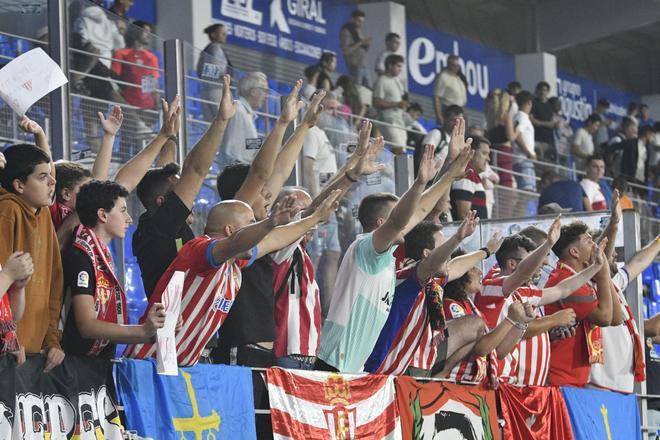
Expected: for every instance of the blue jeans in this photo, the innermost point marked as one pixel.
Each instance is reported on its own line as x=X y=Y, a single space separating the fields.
x=289 y=362
x=528 y=181
x=361 y=75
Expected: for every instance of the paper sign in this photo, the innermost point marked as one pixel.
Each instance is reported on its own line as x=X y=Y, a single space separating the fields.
x=28 y=78
x=165 y=338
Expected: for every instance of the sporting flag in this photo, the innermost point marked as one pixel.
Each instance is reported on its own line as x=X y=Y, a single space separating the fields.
x=446 y=410
x=317 y=405
x=204 y=401
x=531 y=412
x=602 y=414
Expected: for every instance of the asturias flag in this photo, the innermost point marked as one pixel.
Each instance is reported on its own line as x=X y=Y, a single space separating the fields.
x=602 y=414
x=316 y=405
x=204 y=401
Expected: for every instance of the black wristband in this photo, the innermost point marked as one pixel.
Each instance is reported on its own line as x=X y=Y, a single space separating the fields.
x=485 y=249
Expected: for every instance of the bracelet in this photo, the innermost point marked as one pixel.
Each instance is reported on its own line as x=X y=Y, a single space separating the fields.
x=352 y=179
x=485 y=249
x=173 y=138
x=517 y=325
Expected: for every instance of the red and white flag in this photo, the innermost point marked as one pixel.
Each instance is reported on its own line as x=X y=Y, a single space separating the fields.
x=313 y=405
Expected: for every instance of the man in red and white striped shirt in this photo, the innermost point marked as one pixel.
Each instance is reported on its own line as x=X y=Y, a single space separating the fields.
x=213 y=265
x=528 y=362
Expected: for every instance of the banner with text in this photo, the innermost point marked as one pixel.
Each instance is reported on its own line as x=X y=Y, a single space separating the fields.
x=439 y=409
x=579 y=96
x=295 y=29
x=204 y=401
x=70 y=402
x=602 y=414
x=484 y=68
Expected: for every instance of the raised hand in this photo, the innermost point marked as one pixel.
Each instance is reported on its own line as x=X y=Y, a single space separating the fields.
x=616 y=207
x=328 y=206
x=554 y=232
x=468 y=226
x=155 y=320
x=171 y=117
x=598 y=257
x=18 y=266
x=314 y=110
x=363 y=138
x=457 y=139
x=29 y=126
x=456 y=169
x=284 y=211
x=292 y=105
x=495 y=242
x=428 y=166
x=366 y=164
x=112 y=124
x=228 y=105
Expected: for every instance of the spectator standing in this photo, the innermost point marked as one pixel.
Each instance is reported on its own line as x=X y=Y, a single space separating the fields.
x=440 y=136
x=326 y=67
x=450 y=88
x=352 y=98
x=644 y=118
x=121 y=7
x=389 y=99
x=468 y=194
x=624 y=139
x=591 y=186
x=583 y=142
x=635 y=155
x=633 y=112
x=416 y=131
x=542 y=118
x=354 y=46
x=28 y=184
x=523 y=151
x=242 y=141
x=499 y=122
x=513 y=88
x=392 y=44
x=602 y=135
x=212 y=64
x=566 y=193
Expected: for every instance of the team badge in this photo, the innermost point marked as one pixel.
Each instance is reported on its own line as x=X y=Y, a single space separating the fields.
x=456 y=310
x=83 y=279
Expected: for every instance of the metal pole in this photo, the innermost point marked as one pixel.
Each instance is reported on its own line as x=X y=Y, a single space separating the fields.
x=403 y=173
x=175 y=85
x=58 y=32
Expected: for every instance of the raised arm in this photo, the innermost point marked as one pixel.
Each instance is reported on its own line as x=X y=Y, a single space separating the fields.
x=386 y=234
x=643 y=259
x=134 y=170
x=110 y=126
x=439 y=256
x=602 y=314
x=521 y=314
x=612 y=227
x=458 y=266
x=286 y=159
x=283 y=236
x=29 y=126
x=262 y=166
x=532 y=261
x=199 y=160
x=569 y=285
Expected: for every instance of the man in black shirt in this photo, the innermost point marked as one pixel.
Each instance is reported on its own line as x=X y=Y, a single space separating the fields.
x=544 y=125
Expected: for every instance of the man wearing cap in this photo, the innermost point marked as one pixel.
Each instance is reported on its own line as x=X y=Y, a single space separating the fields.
x=211 y=66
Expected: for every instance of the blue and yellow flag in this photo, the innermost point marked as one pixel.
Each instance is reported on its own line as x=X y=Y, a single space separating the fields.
x=204 y=401
x=602 y=415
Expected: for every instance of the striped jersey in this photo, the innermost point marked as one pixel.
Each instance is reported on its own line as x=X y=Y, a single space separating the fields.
x=491 y=298
x=471 y=368
x=469 y=189
x=297 y=302
x=528 y=362
x=209 y=290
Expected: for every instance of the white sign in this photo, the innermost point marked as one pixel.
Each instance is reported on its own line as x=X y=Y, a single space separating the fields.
x=28 y=78
x=166 y=339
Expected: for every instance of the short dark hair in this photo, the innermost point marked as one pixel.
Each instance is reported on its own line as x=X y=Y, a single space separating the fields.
x=358 y=13
x=478 y=140
x=372 y=207
x=523 y=97
x=393 y=59
x=594 y=157
x=542 y=84
x=208 y=30
x=513 y=85
x=310 y=71
x=537 y=235
x=414 y=106
x=69 y=174
x=452 y=110
x=156 y=183
x=97 y=195
x=602 y=102
x=568 y=236
x=22 y=159
x=419 y=238
x=230 y=179
x=593 y=118
x=327 y=56
x=391 y=36
x=510 y=246
x=627 y=122
x=643 y=106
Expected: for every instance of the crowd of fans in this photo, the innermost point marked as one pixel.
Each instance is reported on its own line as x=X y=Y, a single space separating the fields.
x=273 y=281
